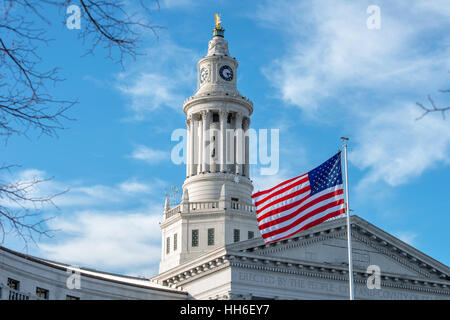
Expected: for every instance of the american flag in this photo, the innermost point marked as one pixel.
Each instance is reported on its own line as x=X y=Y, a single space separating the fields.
x=301 y=202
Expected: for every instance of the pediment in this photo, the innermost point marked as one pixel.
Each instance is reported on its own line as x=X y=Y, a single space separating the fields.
x=327 y=244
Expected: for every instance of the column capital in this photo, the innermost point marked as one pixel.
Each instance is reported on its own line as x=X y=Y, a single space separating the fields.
x=223 y=113
x=205 y=113
x=246 y=122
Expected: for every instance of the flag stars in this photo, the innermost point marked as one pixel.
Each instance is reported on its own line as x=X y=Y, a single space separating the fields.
x=326 y=175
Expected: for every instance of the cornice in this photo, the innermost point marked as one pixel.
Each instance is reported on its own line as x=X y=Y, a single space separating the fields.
x=391 y=253
x=209 y=214
x=194 y=262
x=216 y=177
x=302 y=241
x=339 y=232
x=215 y=57
x=195 y=271
x=407 y=251
x=219 y=95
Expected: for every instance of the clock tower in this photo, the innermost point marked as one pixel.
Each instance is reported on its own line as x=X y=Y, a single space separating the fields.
x=216 y=207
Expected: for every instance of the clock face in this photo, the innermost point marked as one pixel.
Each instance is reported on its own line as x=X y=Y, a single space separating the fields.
x=226 y=73
x=204 y=74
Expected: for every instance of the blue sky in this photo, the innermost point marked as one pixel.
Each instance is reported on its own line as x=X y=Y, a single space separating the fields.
x=312 y=69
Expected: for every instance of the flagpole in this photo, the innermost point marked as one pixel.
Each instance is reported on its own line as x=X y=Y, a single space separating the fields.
x=349 y=234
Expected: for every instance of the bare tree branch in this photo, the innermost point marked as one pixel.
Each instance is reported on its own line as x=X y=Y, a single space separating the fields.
x=114 y=28
x=20 y=209
x=433 y=108
x=26 y=99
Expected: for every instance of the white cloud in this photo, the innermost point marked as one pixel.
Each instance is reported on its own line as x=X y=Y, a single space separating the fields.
x=149 y=155
x=162 y=80
x=394 y=147
x=330 y=49
x=129 y=241
x=79 y=194
x=438 y=8
x=134 y=187
x=149 y=91
x=96 y=195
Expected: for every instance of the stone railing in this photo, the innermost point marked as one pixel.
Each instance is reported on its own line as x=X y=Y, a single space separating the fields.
x=8 y=293
x=16 y=295
x=173 y=211
x=242 y=206
x=202 y=206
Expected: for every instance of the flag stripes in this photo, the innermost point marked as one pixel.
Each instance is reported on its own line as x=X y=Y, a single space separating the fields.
x=278 y=192
x=301 y=202
x=282 y=203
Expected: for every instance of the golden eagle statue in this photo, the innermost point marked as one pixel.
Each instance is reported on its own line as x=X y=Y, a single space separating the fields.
x=218 y=22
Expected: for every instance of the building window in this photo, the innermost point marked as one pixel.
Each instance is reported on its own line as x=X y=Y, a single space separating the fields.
x=168 y=245
x=236 y=235
x=13 y=284
x=175 y=242
x=251 y=235
x=72 y=298
x=195 y=238
x=234 y=203
x=215 y=117
x=211 y=237
x=42 y=293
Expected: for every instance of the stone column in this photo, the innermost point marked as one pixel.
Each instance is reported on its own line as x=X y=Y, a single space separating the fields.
x=188 y=147
x=230 y=154
x=223 y=142
x=212 y=144
x=239 y=144
x=205 y=121
x=191 y=146
x=247 y=147
x=200 y=144
x=208 y=142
